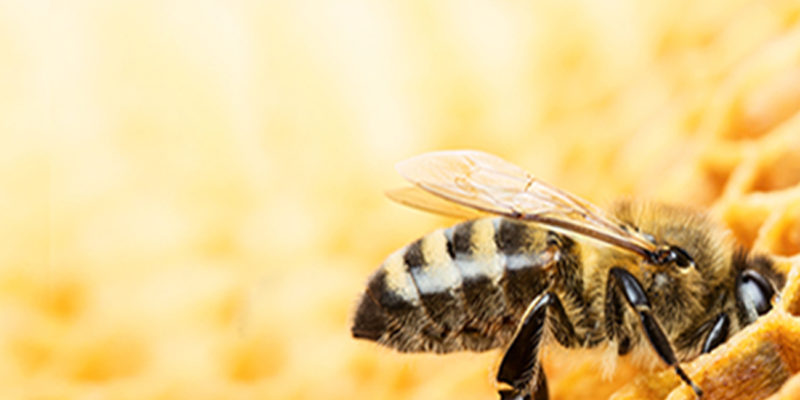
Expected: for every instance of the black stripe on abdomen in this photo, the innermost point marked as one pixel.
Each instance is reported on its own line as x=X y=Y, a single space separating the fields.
x=486 y=303
x=462 y=239
x=512 y=237
x=522 y=285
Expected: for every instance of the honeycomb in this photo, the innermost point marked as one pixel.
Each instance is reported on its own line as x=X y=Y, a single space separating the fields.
x=192 y=191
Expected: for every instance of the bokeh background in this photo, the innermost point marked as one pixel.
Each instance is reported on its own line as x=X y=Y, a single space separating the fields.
x=191 y=192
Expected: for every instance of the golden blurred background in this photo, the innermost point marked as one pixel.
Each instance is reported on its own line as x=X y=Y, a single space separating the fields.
x=192 y=191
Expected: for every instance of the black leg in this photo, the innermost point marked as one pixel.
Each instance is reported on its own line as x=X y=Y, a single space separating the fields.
x=718 y=333
x=540 y=392
x=520 y=363
x=614 y=312
x=632 y=291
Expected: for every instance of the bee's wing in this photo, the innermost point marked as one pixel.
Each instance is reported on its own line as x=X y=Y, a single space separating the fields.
x=415 y=197
x=490 y=184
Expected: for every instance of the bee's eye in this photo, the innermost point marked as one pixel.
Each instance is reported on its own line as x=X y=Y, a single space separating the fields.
x=755 y=292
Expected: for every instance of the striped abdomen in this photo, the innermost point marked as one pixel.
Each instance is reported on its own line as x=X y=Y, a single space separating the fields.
x=461 y=288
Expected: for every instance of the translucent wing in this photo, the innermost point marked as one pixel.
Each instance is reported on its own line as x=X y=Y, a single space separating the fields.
x=415 y=197
x=487 y=183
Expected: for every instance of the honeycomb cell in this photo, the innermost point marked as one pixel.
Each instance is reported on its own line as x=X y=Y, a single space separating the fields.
x=715 y=169
x=744 y=220
x=790 y=297
x=767 y=106
x=782 y=236
x=777 y=171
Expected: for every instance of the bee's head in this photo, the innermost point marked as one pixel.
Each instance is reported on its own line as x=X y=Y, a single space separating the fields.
x=690 y=249
x=691 y=258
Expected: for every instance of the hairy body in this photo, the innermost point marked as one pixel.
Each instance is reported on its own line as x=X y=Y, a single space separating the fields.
x=466 y=287
x=658 y=281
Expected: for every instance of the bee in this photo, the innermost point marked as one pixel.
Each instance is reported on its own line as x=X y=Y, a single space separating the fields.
x=535 y=263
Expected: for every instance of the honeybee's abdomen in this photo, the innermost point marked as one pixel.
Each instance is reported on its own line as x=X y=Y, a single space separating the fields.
x=461 y=288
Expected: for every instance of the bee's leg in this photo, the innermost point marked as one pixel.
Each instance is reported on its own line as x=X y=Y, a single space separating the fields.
x=632 y=291
x=718 y=334
x=520 y=365
x=540 y=392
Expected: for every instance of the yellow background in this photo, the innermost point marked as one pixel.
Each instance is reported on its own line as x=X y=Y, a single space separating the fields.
x=191 y=191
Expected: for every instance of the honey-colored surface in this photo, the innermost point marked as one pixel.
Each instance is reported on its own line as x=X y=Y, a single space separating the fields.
x=191 y=192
